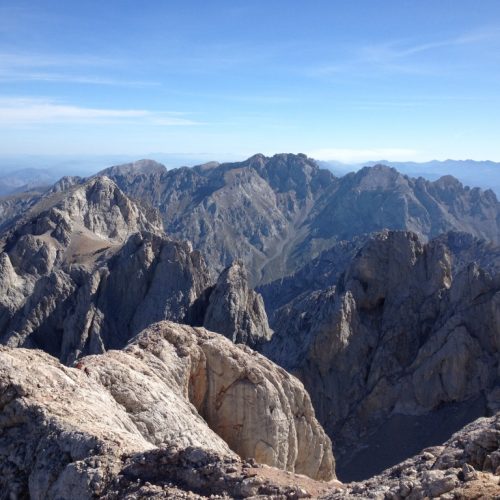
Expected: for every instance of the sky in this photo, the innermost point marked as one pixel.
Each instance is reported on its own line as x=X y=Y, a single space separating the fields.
x=345 y=80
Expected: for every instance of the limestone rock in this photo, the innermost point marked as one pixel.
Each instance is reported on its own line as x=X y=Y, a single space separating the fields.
x=128 y=417
x=398 y=339
x=84 y=270
x=257 y=408
x=278 y=213
x=236 y=311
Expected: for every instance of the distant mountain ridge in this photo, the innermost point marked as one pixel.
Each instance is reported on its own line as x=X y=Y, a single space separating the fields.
x=277 y=213
x=383 y=293
x=484 y=174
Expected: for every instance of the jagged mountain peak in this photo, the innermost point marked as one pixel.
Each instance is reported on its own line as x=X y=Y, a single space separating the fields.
x=276 y=212
x=409 y=330
x=378 y=177
x=95 y=208
x=235 y=310
x=447 y=182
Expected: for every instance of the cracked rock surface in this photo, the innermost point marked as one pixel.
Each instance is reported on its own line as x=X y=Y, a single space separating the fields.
x=467 y=466
x=396 y=340
x=71 y=432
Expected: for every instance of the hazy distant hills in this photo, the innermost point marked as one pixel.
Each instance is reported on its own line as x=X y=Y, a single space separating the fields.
x=23 y=172
x=26 y=179
x=484 y=174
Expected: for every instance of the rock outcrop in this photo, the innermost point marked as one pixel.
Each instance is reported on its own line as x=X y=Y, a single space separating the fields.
x=467 y=466
x=85 y=270
x=72 y=432
x=399 y=338
x=235 y=310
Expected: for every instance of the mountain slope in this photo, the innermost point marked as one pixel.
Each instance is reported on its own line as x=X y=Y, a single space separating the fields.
x=403 y=334
x=83 y=269
x=277 y=213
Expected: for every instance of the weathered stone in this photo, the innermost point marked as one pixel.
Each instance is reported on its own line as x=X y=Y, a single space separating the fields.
x=65 y=431
x=236 y=311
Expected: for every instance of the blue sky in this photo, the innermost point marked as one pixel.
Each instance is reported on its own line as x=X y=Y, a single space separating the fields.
x=346 y=80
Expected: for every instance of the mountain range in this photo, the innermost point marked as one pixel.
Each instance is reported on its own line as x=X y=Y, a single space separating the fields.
x=221 y=324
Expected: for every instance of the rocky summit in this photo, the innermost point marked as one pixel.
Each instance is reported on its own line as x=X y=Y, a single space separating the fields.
x=209 y=332
x=277 y=213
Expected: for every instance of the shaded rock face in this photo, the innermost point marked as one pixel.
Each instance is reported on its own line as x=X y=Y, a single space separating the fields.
x=235 y=310
x=465 y=466
x=398 y=335
x=278 y=213
x=12 y=206
x=320 y=273
x=252 y=210
x=85 y=270
x=70 y=432
x=379 y=197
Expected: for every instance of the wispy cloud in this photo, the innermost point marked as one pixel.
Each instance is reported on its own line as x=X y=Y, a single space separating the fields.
x=403 y=49
x=32 y=111
x=61 y=68
x=400 y=56
x=361 y=155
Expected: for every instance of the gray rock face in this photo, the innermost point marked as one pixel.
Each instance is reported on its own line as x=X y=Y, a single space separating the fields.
x=129 y=171
x=399 y=335
x=320 y=273
x=466 y=466
x=11 y=207
x=277 y=213
x=235 y=310
x=71 y=432
x=85 y=270
x=251 y=210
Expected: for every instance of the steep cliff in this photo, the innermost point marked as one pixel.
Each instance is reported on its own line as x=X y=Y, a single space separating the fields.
x=235 y=310
x=398 y=339
x=84 y=270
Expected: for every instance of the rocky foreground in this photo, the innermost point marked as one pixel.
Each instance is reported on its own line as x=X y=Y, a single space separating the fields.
x=183 y=413
x=175 y=399
x=113 y=384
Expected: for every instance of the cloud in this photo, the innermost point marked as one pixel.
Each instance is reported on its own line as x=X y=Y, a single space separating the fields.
x=60 y=68
x=401 y=56
x=31 y=111
x=361 y=155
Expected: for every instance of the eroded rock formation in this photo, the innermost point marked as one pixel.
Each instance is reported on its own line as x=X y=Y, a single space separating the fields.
x=235 y=310
x=278 y=213
x=85 y=270
x=66 y=432
x=398 y=336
